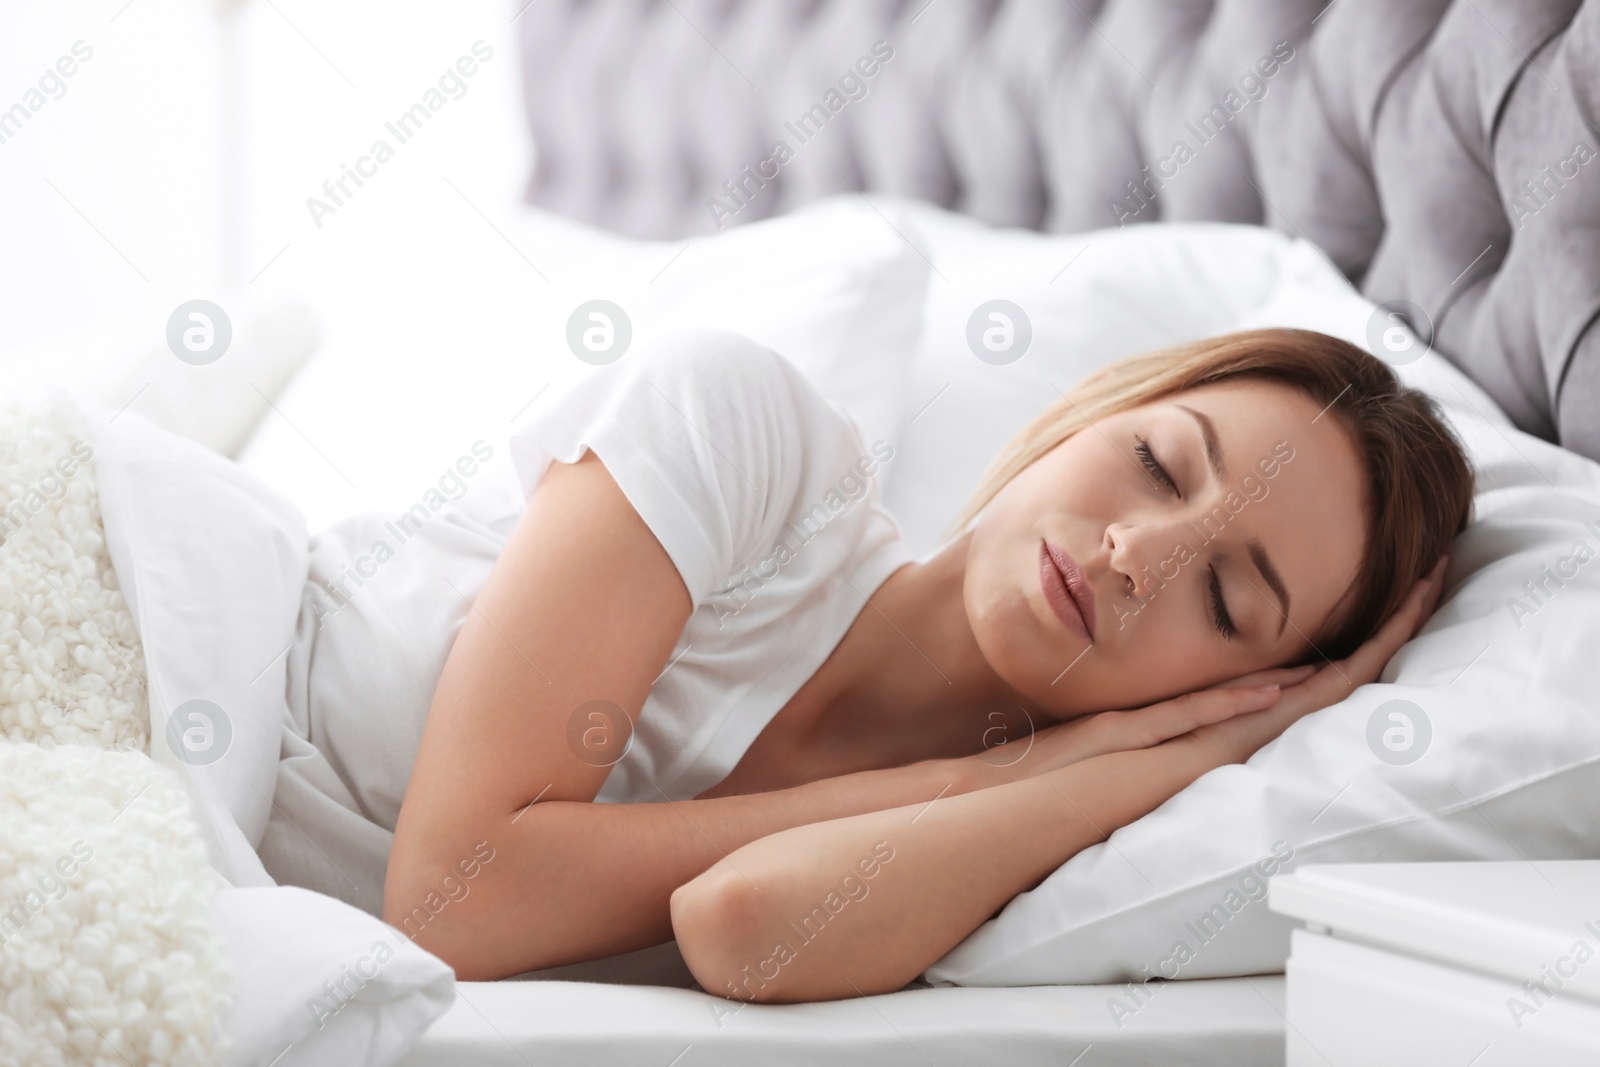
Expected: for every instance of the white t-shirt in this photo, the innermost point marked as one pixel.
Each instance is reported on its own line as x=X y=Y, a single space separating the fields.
x=765 y=498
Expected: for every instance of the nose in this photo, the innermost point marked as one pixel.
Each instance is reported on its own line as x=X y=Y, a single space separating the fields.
x=1135 y=552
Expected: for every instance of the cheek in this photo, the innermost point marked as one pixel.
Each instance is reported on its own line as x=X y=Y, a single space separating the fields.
x=999 y=603
x=998 y=568
x=1161 y=653
x=993 y=600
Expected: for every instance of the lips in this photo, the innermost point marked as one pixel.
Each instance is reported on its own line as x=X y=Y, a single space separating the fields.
x=1066 y=590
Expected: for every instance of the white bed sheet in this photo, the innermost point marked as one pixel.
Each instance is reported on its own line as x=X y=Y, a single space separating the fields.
x=1237 y=1022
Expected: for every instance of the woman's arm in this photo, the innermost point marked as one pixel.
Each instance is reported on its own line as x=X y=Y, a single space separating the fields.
x=864 y=904
x=583 y=604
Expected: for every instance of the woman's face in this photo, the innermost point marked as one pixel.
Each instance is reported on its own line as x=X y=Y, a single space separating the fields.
x=1266 y=515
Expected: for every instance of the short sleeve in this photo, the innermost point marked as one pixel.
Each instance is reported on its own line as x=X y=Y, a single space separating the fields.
x=701 y=433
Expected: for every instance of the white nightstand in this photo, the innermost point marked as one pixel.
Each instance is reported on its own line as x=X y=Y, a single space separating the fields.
x=1458 y=964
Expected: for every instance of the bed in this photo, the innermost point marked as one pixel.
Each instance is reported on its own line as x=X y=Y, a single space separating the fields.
x=646 y=1006
x=1233 y=1020
x=1402 y=166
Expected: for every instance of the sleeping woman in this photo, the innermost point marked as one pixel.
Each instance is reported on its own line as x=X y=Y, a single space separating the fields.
x=697 y=682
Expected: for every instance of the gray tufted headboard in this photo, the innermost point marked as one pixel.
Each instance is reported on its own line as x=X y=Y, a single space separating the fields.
x=1441 y=152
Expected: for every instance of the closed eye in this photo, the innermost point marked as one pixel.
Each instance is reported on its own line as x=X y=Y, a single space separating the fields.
x=1153 y=465
x=1220 y=618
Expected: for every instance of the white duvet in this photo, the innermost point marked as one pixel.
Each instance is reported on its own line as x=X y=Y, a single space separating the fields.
x=213 y=564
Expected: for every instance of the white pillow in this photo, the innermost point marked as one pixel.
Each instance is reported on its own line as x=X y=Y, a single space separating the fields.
x=318 y=982
x=834 y=287
x=126 y=361
x=1505 y=742
x=1088 y=300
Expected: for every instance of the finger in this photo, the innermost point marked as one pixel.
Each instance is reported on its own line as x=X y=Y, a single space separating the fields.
x=1411 y=610
x=1436 y=592
x=1429 y=590
x=1283 y=676
x=1287 y=676
x=1367 y=662
x=1192 y=710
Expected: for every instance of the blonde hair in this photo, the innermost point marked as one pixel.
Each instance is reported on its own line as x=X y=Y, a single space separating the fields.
x=1418 y=482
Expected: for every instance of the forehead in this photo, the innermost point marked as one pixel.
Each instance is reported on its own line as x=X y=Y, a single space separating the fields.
x=1252 y=413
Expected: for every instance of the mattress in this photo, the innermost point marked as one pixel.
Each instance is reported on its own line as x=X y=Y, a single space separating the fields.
x=1236 y=1022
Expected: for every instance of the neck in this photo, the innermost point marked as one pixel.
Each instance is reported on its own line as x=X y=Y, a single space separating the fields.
x=913 y=683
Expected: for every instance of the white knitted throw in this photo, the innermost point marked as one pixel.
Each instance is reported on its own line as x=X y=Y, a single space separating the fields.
x=108 y=953
x=71 y=666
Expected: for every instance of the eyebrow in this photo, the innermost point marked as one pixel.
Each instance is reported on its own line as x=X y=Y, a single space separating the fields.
x=1208 y=431
x=1258 y=556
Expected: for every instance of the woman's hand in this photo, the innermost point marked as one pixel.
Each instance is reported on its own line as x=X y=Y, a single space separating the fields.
x=1119 y=731
x=1237 y=739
